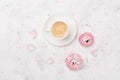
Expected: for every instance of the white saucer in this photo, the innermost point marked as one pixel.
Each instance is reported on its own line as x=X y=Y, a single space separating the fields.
x=72 y=28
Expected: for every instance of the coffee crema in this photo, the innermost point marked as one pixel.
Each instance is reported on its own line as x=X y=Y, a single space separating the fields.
x=59 y=29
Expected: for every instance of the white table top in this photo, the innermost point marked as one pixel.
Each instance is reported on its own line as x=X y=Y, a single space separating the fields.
x=26 y=55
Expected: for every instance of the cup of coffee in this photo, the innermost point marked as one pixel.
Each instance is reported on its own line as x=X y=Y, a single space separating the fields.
x=59 y=30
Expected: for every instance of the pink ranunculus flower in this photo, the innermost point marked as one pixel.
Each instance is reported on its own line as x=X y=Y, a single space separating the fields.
x=74 y=61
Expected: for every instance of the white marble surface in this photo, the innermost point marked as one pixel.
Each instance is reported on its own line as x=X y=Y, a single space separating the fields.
x=25 y=54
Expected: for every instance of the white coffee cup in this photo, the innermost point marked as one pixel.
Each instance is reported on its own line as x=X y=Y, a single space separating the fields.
x=59 y=30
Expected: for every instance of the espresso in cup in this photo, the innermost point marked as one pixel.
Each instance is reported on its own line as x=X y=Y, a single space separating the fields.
x=59 y=30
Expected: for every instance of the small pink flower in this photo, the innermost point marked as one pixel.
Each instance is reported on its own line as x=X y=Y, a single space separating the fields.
x=74 y=61
x=31 y=47
x=33 y=34
x=50 y=60
x=86 y=39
